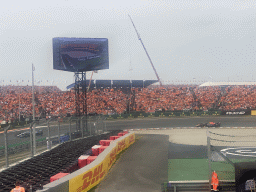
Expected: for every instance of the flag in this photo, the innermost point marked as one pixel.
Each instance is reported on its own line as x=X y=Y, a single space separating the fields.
x=33 y=68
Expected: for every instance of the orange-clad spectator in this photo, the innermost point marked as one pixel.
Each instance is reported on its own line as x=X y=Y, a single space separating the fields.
x=18 y=188
x=51 y=101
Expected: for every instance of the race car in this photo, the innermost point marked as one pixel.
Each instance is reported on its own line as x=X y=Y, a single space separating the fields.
x=210 y=124
x=27 y=134
x=201 y=125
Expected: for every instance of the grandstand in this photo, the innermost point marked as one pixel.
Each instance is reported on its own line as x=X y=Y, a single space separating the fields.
x=51 y=101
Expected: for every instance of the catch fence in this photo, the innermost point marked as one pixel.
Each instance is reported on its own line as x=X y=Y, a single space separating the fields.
x=17 y=145
x=229 y=147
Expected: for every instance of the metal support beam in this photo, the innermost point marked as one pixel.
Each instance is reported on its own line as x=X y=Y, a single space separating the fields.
x=6 y=146
x=209 y=158
x=70 y=129
x=58 y=132
x=34 y=138
x=48 y=133
x=80 y=94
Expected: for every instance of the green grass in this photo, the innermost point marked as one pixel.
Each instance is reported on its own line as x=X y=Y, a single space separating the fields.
x=197 y=169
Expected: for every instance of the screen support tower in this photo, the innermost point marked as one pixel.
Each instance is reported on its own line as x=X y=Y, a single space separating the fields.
x=146 y=53
x=80 y=96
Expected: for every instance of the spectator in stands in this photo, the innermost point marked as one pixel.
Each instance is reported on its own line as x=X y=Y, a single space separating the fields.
x=18 y=188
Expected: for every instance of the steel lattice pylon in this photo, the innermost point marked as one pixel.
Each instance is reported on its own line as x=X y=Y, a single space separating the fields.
x=80 y=94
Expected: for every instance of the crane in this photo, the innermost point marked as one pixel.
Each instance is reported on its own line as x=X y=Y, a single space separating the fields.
x=91 y=80
x=147 y=53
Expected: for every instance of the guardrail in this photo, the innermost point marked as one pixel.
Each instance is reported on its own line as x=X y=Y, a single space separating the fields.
x=91 y=175
x=22 y=143
x=201 y=185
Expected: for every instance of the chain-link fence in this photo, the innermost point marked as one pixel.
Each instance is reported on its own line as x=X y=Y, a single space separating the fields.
x=226 y=147
x=46 y=134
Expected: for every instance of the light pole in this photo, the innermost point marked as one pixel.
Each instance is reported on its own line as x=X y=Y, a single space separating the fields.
x=19 y=103
x=33 y=96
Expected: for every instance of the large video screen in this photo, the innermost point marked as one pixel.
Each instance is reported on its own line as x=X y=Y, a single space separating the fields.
x=80 y=54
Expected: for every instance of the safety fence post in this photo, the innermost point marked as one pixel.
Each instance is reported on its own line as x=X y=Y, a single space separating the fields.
x=31 y=139
x=90 y=126
x=34 y=138
x=48 y=133
x=59 y=132
x=209 y=157
x=95 y=126
x=6 y=145
x=81 y=126
x=70 y=129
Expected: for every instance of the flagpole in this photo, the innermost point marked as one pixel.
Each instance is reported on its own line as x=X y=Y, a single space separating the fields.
x=19 y=104
x=33 y=96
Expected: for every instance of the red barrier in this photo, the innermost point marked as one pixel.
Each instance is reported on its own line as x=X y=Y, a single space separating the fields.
x=91 y=159
x=58 y=176
x=114 y=137
x=82 y=161
x=102 y=148
x=121 y=134
x=105 y=142
x=95 y=150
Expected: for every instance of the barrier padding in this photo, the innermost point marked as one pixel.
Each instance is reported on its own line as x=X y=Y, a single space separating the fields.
x=91 y=175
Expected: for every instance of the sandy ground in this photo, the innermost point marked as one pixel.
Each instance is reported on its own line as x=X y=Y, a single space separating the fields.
x=243 y=136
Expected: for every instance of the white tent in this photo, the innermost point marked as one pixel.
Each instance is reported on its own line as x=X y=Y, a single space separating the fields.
x=207 y=84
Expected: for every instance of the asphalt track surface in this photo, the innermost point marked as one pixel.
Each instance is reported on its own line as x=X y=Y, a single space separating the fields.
x=136 y=170
x=226 y=121
x=139 y=123
x=142 y=168
x=139 y=172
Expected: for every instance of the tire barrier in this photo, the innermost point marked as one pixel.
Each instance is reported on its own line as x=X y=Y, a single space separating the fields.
x=37 y=171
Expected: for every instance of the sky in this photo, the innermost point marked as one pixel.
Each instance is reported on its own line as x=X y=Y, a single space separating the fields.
x=187 y=40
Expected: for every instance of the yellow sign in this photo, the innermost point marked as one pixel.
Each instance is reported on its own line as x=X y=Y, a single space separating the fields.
x=92 y=177
x=253 y=112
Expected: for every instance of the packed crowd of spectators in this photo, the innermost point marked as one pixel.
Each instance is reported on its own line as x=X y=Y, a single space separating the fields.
x=51 y=101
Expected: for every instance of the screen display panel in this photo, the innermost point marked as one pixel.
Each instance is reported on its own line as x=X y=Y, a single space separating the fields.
x=80 y=54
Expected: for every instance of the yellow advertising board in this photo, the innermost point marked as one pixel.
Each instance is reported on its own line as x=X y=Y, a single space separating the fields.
x=92 y=177
x=253 y=112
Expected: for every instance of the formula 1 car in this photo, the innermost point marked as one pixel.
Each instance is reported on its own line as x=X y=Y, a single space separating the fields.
x=27 y=134
x=201 y=125
x=210 y=124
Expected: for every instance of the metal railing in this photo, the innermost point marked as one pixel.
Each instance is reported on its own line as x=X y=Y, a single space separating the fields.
x=17 y=145
x=203 y=185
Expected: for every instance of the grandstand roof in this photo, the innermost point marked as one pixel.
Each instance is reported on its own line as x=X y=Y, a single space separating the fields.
x=226 y=83
x=117 y=83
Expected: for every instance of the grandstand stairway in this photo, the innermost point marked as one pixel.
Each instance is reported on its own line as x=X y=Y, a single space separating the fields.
x=195 y=97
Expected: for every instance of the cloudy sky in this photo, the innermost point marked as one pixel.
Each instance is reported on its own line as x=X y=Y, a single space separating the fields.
x=187 y=40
